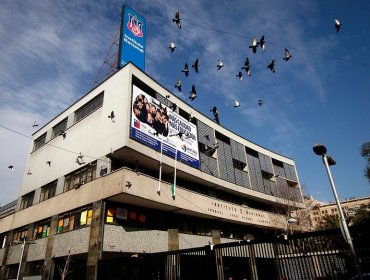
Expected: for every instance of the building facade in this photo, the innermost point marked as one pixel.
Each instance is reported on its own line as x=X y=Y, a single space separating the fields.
x=321 y=211
x=130 y=169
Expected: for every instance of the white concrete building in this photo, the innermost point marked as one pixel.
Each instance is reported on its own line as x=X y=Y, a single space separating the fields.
x=91 y=188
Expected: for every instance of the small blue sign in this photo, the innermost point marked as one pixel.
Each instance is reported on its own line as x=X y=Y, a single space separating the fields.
x=133 y=38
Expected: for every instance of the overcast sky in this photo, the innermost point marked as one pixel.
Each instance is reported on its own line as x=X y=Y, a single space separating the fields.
x=51 y=53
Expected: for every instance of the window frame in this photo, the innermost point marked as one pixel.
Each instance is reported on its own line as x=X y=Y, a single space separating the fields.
x=27 y=200
x=75 y=219
x=45 y=230
x=88 y=108
x=61 y=126
x=49 y=190
x=39 y=142
x=85 y=174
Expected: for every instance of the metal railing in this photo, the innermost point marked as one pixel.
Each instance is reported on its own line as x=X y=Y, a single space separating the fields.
x=313 y=255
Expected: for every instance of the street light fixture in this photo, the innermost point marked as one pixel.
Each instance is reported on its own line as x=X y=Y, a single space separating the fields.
x=320 y=150
x=290 y=221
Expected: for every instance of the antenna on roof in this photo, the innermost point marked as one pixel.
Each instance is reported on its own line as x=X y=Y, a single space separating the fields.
x=110 y=61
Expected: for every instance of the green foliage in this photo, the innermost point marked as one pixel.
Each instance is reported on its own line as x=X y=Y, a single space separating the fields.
x=328 y=222
x=365 y=152
x=362 y=216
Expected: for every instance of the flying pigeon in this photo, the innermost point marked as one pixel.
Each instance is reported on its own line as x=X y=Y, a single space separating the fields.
x=35 y=124
x=337 y=24
x=173 y=107
x=260 y=102
x=177 y=19
x=262 y=42
x=254 y=45
x=247 y=67
x=172 y=47
x=220 y=64
x=215 y=114
x=196 y=65
x=191 y=116
x=11 y=167
x=111 y=116
x=239 y=75
x=193 y=93
x=237 y=103
x=178 y=85
x=287 y=55
x=180 y=134
x=186 y=70
x=62 y=133
x=271 y=66
x=48 y=163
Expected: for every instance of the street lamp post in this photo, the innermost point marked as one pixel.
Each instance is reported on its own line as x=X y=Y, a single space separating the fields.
x=24 y=242
x=320 y=150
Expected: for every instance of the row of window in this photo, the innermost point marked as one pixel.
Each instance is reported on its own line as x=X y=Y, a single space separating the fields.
x=133 y=217
x=72 y=220
x=73 y=180
x=75 y=220
x=80 y=113
x=150 y=219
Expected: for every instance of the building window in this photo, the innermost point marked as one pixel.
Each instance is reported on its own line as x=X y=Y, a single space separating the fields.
x=41 y=230
x=75 y=220
x=20 y=235
x=39 y=142
x=59 y=128
x=238 y=164
x=266 y=175
x=251 y=152
x=222 y=137
x=35 y=268
x=48 y=191
x=128 y=217
x=27 y=200
x=89 y=107
x=80 y=177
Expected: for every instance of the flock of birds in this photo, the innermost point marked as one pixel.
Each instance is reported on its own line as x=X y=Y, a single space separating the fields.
x=246 y=67
x=193 y=93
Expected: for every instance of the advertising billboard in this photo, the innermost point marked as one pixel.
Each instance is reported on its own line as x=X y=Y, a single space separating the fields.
x=158 y=127
x=132 y=39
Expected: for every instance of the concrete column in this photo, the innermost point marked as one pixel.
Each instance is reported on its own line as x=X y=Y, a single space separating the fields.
x=216 y=239
x=95 y=241
x=49 y=263
x=60 y=185
x=173 y=239
x=172 y=260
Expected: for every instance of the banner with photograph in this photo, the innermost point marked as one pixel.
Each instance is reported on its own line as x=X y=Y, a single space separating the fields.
x=158 y=127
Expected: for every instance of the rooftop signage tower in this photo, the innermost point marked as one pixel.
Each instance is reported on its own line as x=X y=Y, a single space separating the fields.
x=133 y=38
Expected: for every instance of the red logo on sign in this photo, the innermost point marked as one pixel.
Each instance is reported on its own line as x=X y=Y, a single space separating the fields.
x=135 y=25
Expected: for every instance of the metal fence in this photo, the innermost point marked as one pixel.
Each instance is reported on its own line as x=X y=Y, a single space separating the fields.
x=314 y=255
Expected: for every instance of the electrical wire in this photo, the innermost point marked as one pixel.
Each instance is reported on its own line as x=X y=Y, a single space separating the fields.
x=54 y=146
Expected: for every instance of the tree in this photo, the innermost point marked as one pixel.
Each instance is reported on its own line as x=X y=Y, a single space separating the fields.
x=328 y=222
x=362 y=216
x=365 y=152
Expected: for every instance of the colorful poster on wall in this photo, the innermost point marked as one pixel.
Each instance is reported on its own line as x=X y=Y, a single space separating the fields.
x=158 y=127
x=132 y=39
